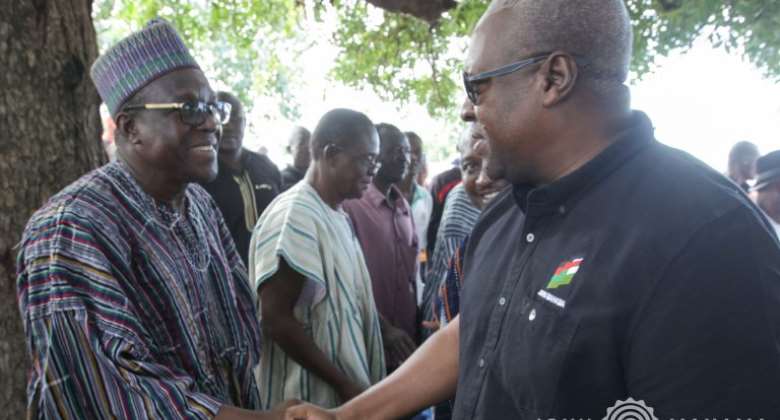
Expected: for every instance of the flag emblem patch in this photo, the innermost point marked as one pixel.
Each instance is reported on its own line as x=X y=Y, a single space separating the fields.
x=564 y=274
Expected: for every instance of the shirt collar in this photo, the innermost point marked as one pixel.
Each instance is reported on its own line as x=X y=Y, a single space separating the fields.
x=635 y=135
x=376 y=197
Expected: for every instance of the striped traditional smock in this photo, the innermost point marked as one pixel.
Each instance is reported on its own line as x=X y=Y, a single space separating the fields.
x=131 y=309
x=336 y=306
x=457 y=220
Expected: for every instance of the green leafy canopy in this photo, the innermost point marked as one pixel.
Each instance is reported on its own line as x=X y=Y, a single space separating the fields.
x=252 y=46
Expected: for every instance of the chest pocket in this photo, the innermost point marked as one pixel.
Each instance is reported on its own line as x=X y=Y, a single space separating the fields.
x=533 y=352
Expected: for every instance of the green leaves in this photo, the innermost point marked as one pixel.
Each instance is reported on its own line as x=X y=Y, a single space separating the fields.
x=252 y=46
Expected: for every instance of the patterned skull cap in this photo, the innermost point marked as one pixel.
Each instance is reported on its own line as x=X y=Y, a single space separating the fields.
x=137 y=60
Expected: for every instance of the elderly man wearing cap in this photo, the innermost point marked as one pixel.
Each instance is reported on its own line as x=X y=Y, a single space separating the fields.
x=134 y=300
x=767 y=187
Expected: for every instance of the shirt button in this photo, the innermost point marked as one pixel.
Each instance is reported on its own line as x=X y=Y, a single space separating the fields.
x=562 y=209
x=532 y=315
x=481 y=363
x=530 y=237
x=502 y=301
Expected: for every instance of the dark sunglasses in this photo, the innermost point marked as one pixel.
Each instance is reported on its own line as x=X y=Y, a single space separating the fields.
x=193 y=113
x=471 y=82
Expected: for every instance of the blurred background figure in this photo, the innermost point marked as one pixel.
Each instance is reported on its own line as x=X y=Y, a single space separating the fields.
x=109 y=146
x=298 y=148
x=246 y=183
x=767 y=187
x=742 y=163
x=420 y=201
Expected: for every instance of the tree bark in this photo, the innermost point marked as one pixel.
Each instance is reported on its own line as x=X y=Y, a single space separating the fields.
x=429 y=10
x=49 y=136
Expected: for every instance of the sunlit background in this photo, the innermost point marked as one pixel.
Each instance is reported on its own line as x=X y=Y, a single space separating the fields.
x=701 y=101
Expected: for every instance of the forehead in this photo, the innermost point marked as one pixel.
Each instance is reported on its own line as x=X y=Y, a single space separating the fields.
x=394 y=140
x=491 y=41
x=182 y=84
x=367 y=144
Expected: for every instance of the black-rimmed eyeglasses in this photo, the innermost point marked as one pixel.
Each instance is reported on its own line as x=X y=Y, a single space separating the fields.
x=471 y=82
x=193 y=113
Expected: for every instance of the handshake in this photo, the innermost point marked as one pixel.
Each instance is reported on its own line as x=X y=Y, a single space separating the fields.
x=297 y=410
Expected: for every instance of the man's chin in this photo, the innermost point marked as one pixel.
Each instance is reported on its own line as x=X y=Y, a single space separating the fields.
x=204 y=175
x=228 y=150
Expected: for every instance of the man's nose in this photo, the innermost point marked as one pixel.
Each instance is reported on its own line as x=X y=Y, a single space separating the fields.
x=467 y=111
x=211 y=123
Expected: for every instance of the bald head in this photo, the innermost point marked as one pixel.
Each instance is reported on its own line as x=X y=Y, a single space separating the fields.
x=342 y=127
x=597 y=32
x=298 y=136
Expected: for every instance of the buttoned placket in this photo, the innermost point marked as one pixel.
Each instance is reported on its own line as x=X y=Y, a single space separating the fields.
x=526 y=248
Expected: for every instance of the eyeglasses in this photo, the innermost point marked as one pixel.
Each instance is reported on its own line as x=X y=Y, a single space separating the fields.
x=193 y=113
x=367 y=162
x=471 y=82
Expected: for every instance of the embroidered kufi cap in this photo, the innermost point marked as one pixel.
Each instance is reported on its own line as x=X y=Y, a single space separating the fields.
x=137 y=60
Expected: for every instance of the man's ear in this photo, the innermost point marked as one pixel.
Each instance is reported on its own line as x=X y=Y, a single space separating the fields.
x=127 y=126
x=330 y=151
x=560 y=73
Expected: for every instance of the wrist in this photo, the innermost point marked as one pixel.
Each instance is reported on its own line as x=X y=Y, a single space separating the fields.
x=347 y=411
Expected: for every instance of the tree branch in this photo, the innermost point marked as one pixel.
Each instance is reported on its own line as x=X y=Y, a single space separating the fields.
x=428 y=10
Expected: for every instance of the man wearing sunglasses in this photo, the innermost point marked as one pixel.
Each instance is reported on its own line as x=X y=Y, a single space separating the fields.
x=134 y=299
x=617 y=276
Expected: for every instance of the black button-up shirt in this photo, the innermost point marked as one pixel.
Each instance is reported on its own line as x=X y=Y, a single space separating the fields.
x=643 y=274
x=243 y=195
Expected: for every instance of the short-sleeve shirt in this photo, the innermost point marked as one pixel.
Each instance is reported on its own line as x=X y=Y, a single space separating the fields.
x=644 y=274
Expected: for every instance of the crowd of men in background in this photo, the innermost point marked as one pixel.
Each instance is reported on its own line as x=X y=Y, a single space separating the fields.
x=191 y=278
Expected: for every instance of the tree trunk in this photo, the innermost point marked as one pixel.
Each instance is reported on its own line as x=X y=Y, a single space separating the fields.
x=428 y=10
x=49 y=136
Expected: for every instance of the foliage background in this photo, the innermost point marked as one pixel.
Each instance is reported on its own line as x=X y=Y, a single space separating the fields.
x=254 y=48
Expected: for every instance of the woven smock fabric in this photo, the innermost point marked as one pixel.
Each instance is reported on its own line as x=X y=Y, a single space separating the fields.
x=336 y=306
x=132 y=309
x=138 y=59
x=458 y=218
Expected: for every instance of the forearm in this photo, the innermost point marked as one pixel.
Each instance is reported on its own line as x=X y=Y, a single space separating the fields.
x=289 y=334
x=406 y=391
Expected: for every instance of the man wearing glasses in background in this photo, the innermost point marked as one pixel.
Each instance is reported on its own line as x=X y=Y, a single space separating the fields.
x=383 y=224
x=617 y=276
x=134 y=300
x=321 y=337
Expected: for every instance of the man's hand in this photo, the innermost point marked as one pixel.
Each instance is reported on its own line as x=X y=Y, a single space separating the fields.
x=398 y=344
x=234 y=413
x=433 y=326
x=310 y=412
x=279 y=411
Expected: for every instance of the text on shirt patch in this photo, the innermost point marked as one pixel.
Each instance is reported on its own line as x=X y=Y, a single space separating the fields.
x=555 y=300
x=564 y=274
